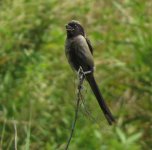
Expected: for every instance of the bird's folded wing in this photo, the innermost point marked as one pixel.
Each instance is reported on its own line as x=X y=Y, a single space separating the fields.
x=82 y=53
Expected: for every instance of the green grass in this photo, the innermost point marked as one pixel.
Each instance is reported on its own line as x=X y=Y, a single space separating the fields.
x=37 y=87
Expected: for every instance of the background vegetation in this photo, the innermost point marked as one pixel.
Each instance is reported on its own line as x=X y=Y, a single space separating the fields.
x=37 y=90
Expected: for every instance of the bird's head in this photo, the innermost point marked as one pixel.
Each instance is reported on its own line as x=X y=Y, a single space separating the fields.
x=74 y=28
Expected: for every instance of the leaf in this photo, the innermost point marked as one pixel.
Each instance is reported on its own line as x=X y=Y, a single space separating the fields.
x=121 y=135
x=134 y=138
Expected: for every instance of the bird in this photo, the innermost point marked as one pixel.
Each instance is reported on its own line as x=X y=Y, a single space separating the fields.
x=79 y=53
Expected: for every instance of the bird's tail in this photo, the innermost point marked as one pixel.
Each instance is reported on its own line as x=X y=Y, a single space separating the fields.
x=96 y=91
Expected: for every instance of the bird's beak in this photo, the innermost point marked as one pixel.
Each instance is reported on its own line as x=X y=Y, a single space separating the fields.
x=68 y=27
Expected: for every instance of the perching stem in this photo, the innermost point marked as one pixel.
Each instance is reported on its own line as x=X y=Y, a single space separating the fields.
x=81 y=77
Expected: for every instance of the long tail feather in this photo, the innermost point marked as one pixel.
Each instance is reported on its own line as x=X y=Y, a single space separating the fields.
x=97 y=93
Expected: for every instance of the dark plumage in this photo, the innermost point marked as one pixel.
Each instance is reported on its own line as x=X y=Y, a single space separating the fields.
x=79 y=52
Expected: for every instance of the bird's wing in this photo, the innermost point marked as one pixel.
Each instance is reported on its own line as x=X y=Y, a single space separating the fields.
x=90 y=46
x=81 y=54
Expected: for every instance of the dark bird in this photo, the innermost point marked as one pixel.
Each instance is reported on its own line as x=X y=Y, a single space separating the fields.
x=79 y=53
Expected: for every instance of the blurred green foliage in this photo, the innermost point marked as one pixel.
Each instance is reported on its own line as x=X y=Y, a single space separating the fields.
x=37 y=90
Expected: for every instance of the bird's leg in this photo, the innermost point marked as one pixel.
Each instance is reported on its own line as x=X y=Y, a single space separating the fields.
x=81 y=77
